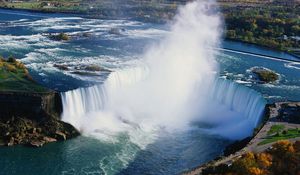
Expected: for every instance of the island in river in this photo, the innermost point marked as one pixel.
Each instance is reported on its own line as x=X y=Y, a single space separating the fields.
x=29 y=113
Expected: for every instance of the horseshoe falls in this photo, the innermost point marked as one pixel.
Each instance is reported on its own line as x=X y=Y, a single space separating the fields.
x=175 y=84
x=234 y=109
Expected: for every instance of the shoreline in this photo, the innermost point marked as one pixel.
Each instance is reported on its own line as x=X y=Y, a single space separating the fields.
x=198 y=169
x=273 y=116
x=259 y=55
x=262 y=46
x=76 y=14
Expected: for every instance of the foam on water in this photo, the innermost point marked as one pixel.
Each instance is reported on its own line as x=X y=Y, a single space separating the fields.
x=293 y=65
x=76 y=23
x=9 y=42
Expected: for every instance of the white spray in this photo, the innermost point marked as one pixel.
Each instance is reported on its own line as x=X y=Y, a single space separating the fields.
x=174 y=67
x=170 y=88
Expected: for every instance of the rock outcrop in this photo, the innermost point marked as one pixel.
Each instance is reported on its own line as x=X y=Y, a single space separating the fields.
x=32 y=119
x=286 y=112
x=29 y=112
x=265 y=75
x=59 y=37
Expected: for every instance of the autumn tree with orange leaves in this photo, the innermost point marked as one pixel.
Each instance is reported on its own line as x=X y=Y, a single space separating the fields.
x=283 y=158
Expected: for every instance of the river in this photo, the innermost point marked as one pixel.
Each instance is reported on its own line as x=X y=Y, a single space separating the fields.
x=24 y=35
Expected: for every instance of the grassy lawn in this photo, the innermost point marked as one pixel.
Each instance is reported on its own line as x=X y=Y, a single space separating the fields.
x=24 y=5
x=14 y=77
x=281 y=134
x=275 y=128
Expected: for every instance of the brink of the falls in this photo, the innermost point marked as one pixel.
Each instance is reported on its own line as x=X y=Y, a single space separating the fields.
x=234 y=110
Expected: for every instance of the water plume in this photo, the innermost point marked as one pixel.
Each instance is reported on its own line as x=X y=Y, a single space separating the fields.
x=172 y=86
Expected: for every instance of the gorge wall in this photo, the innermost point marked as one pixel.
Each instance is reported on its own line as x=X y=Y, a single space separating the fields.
x=30 y=105
x=32 y=119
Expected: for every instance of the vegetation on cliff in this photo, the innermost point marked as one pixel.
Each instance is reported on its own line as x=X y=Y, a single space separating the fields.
x=29 y=113
x=14 y=77
x=271 y=161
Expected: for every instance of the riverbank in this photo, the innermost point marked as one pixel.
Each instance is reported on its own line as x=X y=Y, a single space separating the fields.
x=283 y=123
x=260 y=55
x=71 y=13
x=263 y=46
x=29 y=113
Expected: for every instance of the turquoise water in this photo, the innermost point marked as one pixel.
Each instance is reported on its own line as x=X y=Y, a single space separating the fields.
x=90 y=156
x=23 y=34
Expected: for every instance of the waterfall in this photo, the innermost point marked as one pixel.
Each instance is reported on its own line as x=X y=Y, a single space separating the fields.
x=78 y=102
x=175 y=85
x=236 y=104
x=241 y=99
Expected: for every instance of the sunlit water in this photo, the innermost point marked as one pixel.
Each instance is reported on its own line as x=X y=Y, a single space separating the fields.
x=21 y=34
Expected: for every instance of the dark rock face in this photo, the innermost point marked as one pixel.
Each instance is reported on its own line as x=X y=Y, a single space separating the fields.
x=85 y=73
x=30 y=105
x=236 y=146
x=59 y=37
x=61 y=67
x=287 y=112
x=32 y=119
x=116 y=31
